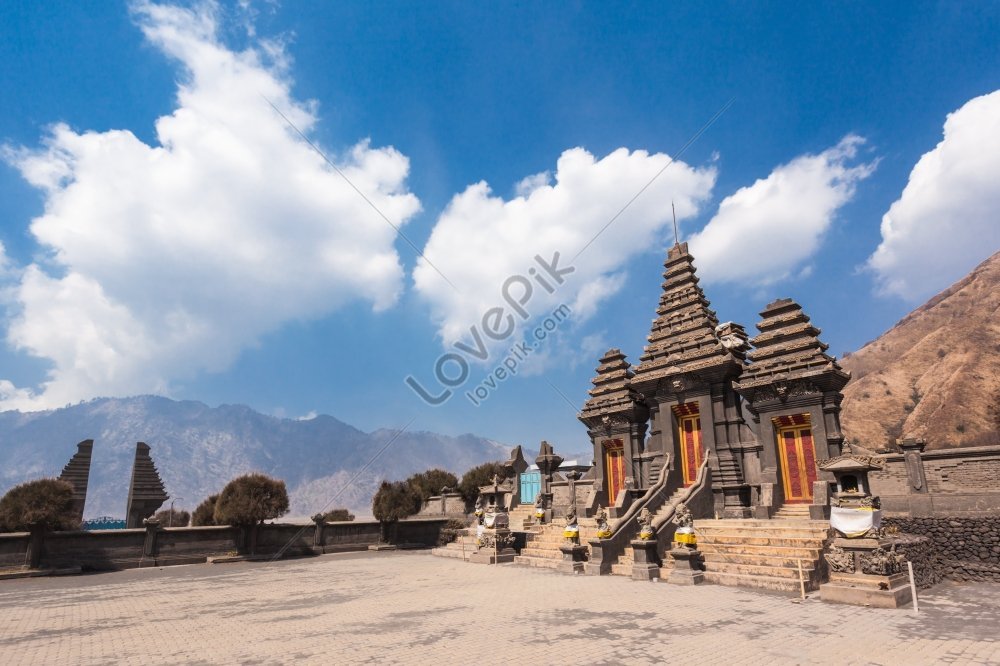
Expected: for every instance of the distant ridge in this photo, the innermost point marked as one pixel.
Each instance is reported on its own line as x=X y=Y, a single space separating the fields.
x=935 y=374
x=198 y=448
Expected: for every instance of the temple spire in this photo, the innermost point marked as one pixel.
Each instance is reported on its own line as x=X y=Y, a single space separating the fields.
x=685 y=336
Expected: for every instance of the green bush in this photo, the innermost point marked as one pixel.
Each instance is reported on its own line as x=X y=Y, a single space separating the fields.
x=451 y=531
x=45 y=503
x=394 y=501
x=251 y=499
x=204 y=514
x=338 y=515
x=431 y=482
x=173 y=518
x=480 y=475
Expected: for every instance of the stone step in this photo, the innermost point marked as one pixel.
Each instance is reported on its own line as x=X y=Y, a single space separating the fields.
x=455 y=553
x=763 y=540
x=762 y=570
x=551 y=539
x=777 y=531
x=622 y=570
x=626 y=569
x=538 y=552
x=808 y=563
x=785 y=585
x=747 y=523
x=761 y=553
x=796 y=514
x=538 y=562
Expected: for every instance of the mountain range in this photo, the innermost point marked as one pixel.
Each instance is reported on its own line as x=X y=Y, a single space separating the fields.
x=197 y=449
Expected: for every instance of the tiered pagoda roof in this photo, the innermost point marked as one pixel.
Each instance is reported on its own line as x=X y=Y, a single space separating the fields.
x=77 y=474
x=612 y=392
x=788 y=348
x=684 y=336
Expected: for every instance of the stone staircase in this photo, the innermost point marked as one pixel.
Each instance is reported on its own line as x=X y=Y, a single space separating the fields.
x=465 y=545
x=623 y=565
x=542 y=546
x=519 y=515
x=764 y=554
x=461 y=548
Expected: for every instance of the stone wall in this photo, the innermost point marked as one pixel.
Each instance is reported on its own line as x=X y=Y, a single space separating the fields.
x=13 y=546
x=561 y=496
x=928 y=569
x=963 y=549
x=451 y=505
x=943 y=483
x=102 y=550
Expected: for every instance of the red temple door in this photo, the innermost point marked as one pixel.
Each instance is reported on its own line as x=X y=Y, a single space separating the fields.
x=689 y=440
x=798 y=457
x=614 y=468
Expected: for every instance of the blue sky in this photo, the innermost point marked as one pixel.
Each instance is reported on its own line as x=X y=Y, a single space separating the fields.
x=165 y=231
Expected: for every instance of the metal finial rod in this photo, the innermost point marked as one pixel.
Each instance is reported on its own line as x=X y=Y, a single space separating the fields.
x=677 y=240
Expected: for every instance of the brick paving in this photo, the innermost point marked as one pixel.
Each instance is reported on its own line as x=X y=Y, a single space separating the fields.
x=412 y=608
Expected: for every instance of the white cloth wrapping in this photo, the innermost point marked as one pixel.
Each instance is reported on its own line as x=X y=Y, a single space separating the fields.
x=854 y=522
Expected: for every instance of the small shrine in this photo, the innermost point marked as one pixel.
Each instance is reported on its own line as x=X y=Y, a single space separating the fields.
x=865 y=568
x=494 y=541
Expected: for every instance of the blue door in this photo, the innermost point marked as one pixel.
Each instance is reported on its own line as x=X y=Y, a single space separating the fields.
x=531 y=485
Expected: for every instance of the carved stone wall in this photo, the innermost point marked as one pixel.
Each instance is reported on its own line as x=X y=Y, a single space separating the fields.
x=950 y=482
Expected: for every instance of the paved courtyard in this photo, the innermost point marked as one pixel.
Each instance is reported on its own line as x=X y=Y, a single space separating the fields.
x=413 y=608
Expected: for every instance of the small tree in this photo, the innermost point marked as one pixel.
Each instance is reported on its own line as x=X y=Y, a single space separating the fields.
x=431 y=482
x=479 y=475
x=45 y=504
x=173 y=518
x=250 y=500
x=204 y=514
x=394 y=501
x=337 y=515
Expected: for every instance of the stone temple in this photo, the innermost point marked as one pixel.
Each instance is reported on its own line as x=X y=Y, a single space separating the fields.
x=720 y=458
x=763 y=418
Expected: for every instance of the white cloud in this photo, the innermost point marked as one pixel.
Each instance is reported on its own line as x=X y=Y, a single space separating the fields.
x=948 y=218
x=480 y=239
x=764 y=232
x=167 y=260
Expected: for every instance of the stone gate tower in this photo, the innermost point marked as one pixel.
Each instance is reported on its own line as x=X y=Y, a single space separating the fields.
x=615 y=416
x=793 y=390
x=685 y=379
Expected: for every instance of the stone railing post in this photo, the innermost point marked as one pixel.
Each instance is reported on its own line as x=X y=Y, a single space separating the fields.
x=149 y=544
x=320 y=523
x=36 y=543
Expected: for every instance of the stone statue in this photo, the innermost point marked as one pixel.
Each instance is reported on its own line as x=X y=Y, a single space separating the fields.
x=682 y=516
x=571 y=532
x=480 y=509
x=571 y=516
x=603 y=528
x=684 y=534
x=646 y=531
x=840 y=560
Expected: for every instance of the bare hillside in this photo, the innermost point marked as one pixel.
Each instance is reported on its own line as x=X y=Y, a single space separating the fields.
x=935 y=374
